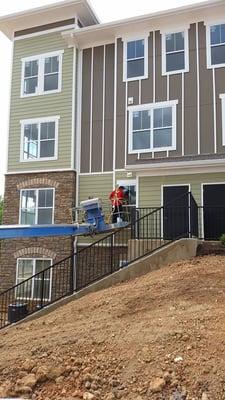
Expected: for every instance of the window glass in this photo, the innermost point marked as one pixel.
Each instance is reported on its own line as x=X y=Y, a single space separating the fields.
x=28 y=207
x=41 y=75
x=147 y=136
x=37 y=206
x=30 y=77
x=162 y=137
x=37 y=146
x=30 y=142
x=135 y=58
x=175 y=61
x=218 y=54
x=36 y=287
x=217 y=41
x=175 y=51
x=51 y=73
x=141 y=140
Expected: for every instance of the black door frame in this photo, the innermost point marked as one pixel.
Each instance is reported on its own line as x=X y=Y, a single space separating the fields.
x=188 y=185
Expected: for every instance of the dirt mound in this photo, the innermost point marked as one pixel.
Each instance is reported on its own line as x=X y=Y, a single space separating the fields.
x=160 y=336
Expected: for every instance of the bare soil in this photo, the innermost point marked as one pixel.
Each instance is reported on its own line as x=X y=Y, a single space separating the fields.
x=161 y=336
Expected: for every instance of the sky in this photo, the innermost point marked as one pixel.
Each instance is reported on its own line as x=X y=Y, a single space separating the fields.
x=107 y=10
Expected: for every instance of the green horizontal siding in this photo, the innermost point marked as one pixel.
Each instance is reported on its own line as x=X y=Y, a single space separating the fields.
x=43 y=105
x=150 y=187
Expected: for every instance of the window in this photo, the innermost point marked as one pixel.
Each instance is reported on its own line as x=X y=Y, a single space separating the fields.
x=39 y=139
x=41 y=74
x=222 y=97
x=135 y=59
x=40 y=284
x=130 y=190
x=216 y=45
x=36 y=206
x=152 y=127
x=175 y=52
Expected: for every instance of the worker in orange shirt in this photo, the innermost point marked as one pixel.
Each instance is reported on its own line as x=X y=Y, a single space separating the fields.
x=117 y=200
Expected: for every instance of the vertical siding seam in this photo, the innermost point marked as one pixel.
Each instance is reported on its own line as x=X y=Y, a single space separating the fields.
x=182 y=115
x=168 y=87
x=153 y=74
x=91 y=108
x=126 y=91
x=103 y=107
x=214 y=110
x=114 y=116
x=73 y=110
x=198 y=89
x=79 y=113
x=139 y=94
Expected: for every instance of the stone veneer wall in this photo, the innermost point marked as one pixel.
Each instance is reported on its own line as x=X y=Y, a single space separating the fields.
x=56 y=248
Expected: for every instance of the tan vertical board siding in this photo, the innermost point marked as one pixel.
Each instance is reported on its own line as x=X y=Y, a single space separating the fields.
x=109 y=107
x=147 y=84
x=175 y=92
x=150 y=187
x=120 y=108
x=220 y=88
x=86 y=103
x=133 y=91
x=160 y=81
x=190 y=99
x=42 y=105
x=97 y=109
x=206 y=96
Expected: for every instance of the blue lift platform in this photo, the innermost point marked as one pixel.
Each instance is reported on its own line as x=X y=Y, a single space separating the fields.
x=94 y=224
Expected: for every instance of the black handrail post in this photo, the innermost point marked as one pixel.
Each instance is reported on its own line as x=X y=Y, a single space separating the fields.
x=72 y=259
x=42 y=288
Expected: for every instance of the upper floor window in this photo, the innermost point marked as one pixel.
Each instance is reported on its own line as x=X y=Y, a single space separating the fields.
x=39 y=139
x=216 y=45
x=36 y=206
x=135 y=63
x=175 y=52
x=152 y=127
x=222 y=97
x=39 y=287
x=41 y=74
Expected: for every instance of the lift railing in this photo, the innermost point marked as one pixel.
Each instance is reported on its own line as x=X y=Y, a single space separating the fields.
x=116 y=250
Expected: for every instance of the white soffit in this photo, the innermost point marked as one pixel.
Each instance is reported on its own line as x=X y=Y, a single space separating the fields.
x=48 y=14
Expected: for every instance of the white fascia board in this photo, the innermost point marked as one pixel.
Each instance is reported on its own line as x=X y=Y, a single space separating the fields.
x=48 y=14
x=179 y=167
x=162 y=20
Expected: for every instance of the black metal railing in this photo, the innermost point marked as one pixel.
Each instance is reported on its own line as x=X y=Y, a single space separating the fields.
x=142 y=236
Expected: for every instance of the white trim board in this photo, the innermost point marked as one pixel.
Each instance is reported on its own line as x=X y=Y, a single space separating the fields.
x=39 y=121
x=45 y=32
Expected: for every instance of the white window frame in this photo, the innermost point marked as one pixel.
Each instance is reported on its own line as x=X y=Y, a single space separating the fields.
x=134 y=39
x=38 y=121
x=208 y=45
x=33 y=273
x=151 y=107
x=222 y=97
x=41 y=64
x=36 y=205
x=186 y=51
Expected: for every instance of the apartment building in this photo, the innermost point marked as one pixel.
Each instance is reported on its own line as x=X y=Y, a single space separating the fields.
x=137 y=102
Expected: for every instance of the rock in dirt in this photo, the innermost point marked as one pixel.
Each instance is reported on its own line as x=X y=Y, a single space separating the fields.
x=157 y=385
x=29 y=380
x=89 y=396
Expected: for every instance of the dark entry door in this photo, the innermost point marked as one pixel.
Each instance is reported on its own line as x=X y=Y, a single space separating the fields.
x=214 y=210
x=175 y=212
